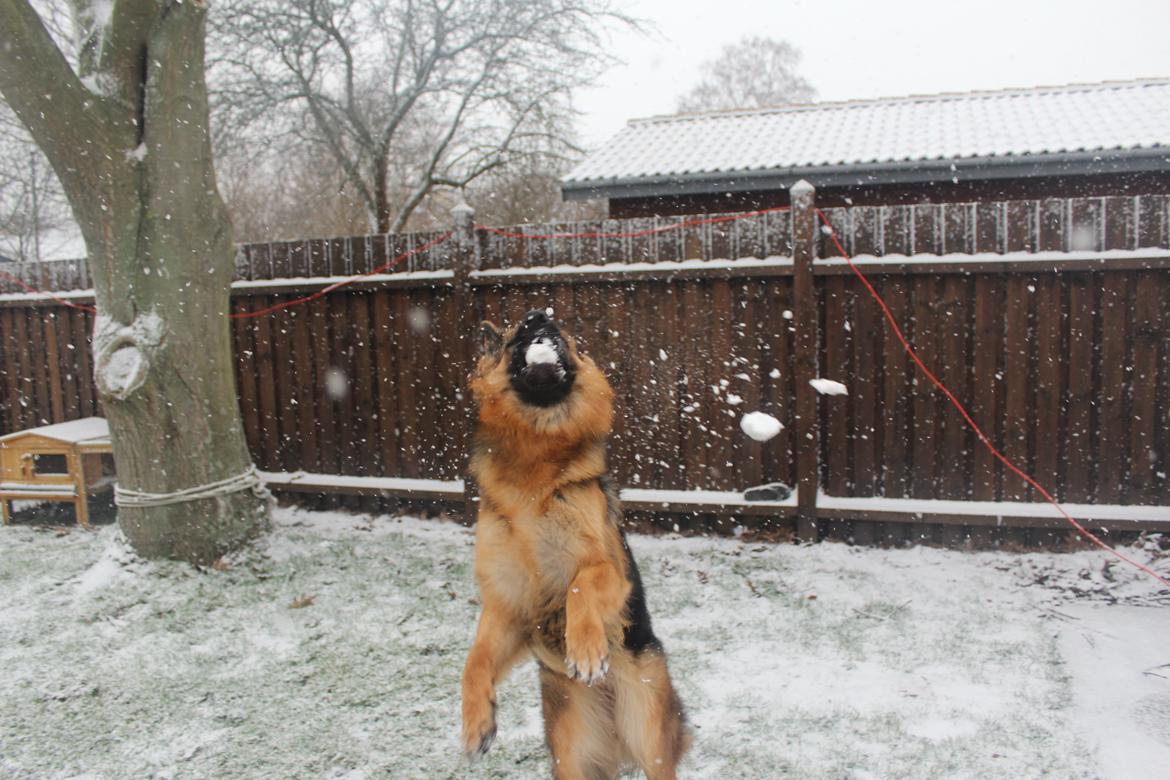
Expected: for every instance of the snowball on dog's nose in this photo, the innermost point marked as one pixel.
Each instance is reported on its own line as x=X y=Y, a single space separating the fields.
x=540 y=351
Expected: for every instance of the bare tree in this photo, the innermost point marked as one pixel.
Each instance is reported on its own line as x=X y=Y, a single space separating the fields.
x=754 y=72
x=299 y=194
x=126 y=130
x=410 y=95
x=527 y=193
x=34 y=216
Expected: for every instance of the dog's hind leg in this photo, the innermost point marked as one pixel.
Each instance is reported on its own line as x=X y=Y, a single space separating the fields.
x=579 y=727
x=649 y=715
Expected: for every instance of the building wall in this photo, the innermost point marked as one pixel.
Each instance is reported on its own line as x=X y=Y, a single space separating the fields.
x=933 y=192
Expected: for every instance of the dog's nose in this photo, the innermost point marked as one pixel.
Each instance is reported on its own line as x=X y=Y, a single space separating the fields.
x=536 y=318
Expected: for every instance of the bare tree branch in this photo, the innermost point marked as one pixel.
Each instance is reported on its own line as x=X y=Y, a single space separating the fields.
x=408 y=95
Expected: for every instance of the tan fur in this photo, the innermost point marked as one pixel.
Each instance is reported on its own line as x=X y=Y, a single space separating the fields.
x=551 y=570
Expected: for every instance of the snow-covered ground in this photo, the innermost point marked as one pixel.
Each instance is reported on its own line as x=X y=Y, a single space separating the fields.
x=335 y=650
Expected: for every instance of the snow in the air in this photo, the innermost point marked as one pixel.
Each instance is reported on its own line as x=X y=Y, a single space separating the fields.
x=336 y=648
x=336 y=384
x=540 y=351
x=828 y=387
x=761 y=426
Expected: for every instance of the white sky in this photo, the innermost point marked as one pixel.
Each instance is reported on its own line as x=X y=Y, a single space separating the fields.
x=866 y=48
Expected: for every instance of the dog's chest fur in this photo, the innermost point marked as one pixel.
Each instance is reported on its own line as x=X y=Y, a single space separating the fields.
x=533 y=558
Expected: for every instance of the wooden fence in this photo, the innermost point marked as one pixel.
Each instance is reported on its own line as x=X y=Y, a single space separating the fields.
x=1049 y=318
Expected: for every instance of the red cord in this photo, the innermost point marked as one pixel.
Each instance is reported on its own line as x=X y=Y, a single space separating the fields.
x=967 y=416
x=48 y=295
x=639 y=233
x=245 y=315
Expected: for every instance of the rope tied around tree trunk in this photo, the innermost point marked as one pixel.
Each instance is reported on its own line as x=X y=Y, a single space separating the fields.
x=248 y=480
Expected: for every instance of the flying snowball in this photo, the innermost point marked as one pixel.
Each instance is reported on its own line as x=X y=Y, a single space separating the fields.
x=540 y=351
x=760 y=426
x=828 y=387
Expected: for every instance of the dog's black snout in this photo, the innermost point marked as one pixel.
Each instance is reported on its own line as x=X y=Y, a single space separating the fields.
x=536 y=324
x=536 y=318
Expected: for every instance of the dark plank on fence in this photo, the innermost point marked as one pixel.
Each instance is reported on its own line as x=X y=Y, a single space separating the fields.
x=321 y=324
x=1150 y=292
x=269 y=455
x=1017 y=383
x=986 y=393
x=54 y=375
x=1079 y=400
x=926 y=421
x=246 y=375
x=1112 y=434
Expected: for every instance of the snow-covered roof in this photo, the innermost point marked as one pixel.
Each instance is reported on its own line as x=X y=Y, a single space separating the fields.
x=1083 y=122
x=88 y=429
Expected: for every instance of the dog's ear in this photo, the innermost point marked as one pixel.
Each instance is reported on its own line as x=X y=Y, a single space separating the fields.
x=490 y=340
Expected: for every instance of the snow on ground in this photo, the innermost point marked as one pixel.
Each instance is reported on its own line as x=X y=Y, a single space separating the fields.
x=335 y=650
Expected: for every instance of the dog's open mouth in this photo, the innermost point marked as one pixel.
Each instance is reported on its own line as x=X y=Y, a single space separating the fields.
x=540 y=367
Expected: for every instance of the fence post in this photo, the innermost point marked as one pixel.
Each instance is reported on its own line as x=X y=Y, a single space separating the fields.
x=807 y=440
x=465 y=259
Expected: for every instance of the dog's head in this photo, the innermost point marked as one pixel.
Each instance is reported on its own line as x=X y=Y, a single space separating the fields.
x=532 y=375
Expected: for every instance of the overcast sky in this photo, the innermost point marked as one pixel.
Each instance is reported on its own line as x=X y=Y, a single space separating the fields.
x=864 y=48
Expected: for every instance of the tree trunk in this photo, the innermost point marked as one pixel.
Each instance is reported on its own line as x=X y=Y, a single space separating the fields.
x=181 y=427
x=160 y=243
x=382 y=213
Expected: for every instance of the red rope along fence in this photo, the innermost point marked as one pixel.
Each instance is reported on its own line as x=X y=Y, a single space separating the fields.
x=897 y=330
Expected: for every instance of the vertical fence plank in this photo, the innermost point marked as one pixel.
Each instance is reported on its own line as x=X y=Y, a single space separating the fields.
x=926 y=424
x=242 y=337
x=1016 y=385
x=834 y=412
x=672 y=332
x=323 y=358
x=388 y=376
x=898 y=391
x=290 y=452
x=407 y=385
x=11 y=370
x=303 y=383
x=1080 y=394
x=266 y=389
x=54 y=375
x=986 y=398
x=805 y=233
x=718 y=421
x=1144 y=456
x=1114 y=365
x=362 y=398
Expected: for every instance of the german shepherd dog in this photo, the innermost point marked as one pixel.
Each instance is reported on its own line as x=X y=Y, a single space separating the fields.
x=555 y=573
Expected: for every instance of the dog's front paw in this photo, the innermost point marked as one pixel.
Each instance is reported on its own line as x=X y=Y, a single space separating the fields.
x=479 y=727
x=587 y=654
